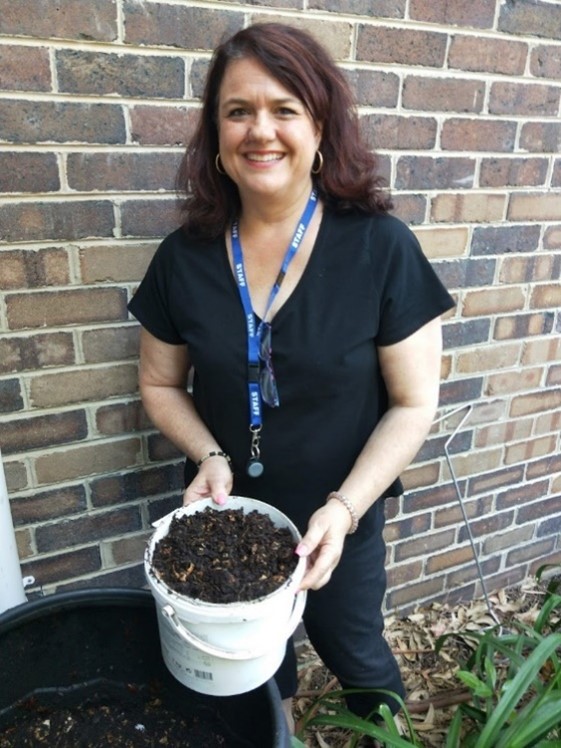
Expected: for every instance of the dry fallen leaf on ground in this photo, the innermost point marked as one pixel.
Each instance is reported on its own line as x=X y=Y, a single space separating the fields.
x=430 y=679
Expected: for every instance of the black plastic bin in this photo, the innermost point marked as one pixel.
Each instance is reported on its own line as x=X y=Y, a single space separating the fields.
x=57 y=647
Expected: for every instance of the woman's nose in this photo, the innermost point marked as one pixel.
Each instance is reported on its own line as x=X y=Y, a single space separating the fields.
x=261 y=127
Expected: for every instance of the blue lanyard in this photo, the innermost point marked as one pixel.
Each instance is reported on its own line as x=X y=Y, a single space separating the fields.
x=253 y=331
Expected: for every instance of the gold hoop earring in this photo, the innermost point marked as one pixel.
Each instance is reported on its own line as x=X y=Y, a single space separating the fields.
x=319 y=167
x=218 y=164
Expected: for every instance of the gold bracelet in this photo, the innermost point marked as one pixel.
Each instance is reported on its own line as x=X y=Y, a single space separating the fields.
x=348 y=504
x=215 y=453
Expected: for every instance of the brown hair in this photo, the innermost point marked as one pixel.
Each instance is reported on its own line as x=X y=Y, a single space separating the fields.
x=348 y=180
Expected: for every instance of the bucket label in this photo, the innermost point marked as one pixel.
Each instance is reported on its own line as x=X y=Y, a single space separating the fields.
x=203 y=674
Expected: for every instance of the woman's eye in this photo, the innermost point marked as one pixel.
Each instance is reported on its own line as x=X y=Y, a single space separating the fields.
x=237 y=112
x=286 y=111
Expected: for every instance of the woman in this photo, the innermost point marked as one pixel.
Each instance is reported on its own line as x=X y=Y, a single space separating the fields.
x=311 y=319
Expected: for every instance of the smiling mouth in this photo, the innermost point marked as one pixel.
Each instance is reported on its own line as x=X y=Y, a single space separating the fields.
x=264 y=158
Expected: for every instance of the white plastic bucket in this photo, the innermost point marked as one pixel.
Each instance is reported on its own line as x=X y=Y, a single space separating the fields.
x=230 y=648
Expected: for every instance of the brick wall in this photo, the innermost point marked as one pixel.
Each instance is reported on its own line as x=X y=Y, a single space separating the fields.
x=463 y=102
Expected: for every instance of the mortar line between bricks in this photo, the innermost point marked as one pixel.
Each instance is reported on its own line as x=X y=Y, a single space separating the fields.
x=84 y=243
x=120 y=47
x=117 y=197
x=69 y=483
x=116 y=49
x=65 y=409
x=89 y=327
x=28 y=376
x=62 y=170
x=92 y=99
x=87 y=444
x=118 y=148
x=126 y=149
x=445 y=116
x=120 y=20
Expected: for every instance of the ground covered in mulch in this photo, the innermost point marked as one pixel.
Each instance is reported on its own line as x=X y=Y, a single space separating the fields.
x=433 y=690
x=224 y=556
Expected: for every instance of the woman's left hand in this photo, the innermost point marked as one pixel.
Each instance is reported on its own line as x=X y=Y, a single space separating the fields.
x=323 y=543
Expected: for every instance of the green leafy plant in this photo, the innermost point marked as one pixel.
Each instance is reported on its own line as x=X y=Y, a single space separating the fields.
x=514 y=678
x=330 y=709
x=515 y=681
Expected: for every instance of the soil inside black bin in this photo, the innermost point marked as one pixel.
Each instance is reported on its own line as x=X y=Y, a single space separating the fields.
x=84 y=670
x=226 y=555
x=100 y=720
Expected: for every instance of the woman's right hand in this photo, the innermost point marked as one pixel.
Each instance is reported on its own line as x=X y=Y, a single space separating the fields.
x=214 y=480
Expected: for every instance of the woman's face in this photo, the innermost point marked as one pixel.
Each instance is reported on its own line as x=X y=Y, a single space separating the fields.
x=267 y=138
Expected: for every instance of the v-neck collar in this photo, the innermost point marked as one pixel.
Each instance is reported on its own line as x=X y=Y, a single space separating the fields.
x=297 y=290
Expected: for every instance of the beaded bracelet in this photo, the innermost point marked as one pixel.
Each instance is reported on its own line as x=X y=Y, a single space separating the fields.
x=348 y=504
x=215 y=453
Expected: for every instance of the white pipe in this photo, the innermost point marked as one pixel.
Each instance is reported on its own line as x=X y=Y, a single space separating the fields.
x=11 y=582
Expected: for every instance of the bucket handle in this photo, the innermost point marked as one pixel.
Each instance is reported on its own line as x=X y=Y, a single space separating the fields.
x=227 y=654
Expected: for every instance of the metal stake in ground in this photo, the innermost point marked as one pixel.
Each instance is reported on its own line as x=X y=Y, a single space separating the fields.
x=458 y=428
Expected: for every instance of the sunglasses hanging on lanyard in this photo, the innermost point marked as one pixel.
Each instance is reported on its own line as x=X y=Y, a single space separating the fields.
x=261 y=382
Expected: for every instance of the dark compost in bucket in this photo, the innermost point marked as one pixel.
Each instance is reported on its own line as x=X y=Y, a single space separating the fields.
x=98 y=650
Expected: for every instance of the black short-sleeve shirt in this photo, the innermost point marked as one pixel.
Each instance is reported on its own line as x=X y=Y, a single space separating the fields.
x=367 y=284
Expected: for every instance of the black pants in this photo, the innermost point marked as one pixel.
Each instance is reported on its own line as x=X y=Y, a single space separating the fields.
x=344 y=623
